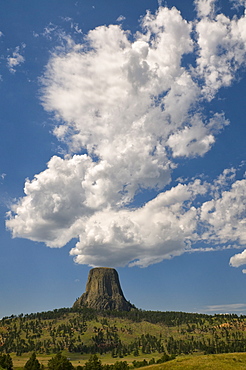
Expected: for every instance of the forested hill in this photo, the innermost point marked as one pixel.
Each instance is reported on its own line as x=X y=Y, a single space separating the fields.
x=122 y=333
x=170 y=318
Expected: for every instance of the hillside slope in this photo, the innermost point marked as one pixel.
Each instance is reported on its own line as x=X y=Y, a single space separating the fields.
x=122 y=334
x=227 y=361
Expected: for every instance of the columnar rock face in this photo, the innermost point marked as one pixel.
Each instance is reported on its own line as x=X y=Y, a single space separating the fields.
x=103 y=291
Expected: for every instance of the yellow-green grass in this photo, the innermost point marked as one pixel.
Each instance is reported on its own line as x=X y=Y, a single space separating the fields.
x=228 y=361
x=19 y=361
x=123 y=326
x=78 y=359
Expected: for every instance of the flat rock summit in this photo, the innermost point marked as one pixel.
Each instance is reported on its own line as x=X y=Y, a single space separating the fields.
x=103 y=291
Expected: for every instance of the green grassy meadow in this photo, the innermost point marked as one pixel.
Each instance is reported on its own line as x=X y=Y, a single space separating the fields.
x=229 y=361
x=78 y=359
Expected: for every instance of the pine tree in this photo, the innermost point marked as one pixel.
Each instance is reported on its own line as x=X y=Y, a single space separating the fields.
x=60 y=362
x=93 y=363
x=6 y=361
x=32 y=363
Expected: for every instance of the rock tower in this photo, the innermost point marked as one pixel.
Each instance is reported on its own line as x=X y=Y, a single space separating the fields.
x=103 y=291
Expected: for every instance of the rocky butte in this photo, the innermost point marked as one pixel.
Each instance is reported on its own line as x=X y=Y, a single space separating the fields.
x=103 y=291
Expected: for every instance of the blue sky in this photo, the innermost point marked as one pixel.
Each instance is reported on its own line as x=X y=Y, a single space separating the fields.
x=123 y=145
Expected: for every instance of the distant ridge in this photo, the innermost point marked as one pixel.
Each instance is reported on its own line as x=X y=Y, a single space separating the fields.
x=103 y=291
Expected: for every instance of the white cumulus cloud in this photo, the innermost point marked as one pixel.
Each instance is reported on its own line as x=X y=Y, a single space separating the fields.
x=133 y=108
x=225 y=217
x=204 y=7
x=161 y=229
x=222 y=46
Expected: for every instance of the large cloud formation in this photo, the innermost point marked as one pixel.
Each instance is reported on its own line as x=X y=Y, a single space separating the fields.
x=127 y=106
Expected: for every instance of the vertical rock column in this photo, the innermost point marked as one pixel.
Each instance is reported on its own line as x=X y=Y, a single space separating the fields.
x=103 y=291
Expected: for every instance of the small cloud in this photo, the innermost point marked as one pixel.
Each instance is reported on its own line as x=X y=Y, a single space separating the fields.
x=225 y=308
x=2 y=177
x=67 y=19
x=238 y=259
x=1 y=34
x=48 y=30
x=182 y=179
x=238 y=3
x=120 y=18
x=16 y=58
x=77 y=29
x=244 y=271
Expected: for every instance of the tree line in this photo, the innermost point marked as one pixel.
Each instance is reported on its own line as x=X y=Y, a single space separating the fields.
x=61 y=362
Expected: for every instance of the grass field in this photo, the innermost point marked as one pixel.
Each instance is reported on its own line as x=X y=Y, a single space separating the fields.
x=229 y=361
x=78 y=359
